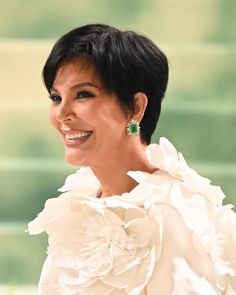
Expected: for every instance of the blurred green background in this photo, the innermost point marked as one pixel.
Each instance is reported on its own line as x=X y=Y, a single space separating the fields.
x=198 y=114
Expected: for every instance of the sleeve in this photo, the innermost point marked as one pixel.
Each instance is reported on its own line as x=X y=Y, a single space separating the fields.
x=181 y=268
x=47 y=280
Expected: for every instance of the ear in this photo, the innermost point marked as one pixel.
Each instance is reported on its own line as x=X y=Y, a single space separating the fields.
x=140 y=104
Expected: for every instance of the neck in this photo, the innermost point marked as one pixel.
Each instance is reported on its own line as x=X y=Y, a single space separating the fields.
x=112 y=173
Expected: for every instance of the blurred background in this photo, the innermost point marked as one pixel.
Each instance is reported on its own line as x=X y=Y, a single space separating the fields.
x=198 y=113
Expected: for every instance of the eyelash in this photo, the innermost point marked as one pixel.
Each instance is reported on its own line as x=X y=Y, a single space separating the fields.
x=84 y=94
x=55 y=98
x=81 y=95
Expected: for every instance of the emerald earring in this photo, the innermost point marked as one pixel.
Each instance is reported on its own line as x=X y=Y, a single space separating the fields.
x=133 y=127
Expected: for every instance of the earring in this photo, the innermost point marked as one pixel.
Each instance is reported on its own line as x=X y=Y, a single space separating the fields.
x=133 y=127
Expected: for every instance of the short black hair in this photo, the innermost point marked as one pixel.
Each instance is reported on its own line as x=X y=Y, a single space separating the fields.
x=125 y=61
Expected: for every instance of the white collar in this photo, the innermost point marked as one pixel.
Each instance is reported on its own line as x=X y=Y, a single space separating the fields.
x=172 y=167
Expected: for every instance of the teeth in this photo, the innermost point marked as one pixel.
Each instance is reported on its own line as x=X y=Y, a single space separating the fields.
x=78 y=135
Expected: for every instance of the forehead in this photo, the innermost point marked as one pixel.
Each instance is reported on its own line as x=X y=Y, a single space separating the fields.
x=76 y=70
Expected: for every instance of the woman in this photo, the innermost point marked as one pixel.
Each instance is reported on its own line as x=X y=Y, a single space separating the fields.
x=136 y=219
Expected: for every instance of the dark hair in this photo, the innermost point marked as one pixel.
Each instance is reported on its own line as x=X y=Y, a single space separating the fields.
x=126 y=63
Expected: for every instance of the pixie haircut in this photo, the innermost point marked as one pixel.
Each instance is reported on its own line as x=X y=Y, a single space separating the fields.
x=125 y=61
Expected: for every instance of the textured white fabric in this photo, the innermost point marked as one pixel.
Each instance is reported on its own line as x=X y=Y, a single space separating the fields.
x=169 y=236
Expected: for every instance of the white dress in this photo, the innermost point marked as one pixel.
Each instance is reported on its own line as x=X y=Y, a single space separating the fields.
x=169 y=236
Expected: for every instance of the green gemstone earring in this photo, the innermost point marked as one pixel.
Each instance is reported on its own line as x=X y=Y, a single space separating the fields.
x=133 y=127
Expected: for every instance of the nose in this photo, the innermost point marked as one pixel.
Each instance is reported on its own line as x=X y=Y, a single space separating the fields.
x=65 y=112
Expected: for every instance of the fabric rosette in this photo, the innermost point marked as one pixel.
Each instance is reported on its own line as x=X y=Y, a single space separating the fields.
x=98 y=246
x=210 y=227
x=170 y=235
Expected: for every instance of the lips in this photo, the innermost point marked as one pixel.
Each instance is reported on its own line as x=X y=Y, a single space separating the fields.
x=73 y=138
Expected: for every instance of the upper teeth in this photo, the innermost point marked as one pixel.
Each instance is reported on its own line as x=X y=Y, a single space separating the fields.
x=78 y=135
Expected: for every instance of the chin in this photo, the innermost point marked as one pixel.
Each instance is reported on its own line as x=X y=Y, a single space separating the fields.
x=75 y=158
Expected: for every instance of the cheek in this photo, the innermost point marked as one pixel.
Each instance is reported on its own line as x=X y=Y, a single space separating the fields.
x=111 y=117
x=111 y=128
x=52 y=116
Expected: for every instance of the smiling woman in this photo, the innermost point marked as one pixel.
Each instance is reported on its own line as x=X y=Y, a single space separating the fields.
x=89 y=135
x=136 y=220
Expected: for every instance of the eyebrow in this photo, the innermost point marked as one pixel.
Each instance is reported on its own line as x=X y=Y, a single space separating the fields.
x=79 y=85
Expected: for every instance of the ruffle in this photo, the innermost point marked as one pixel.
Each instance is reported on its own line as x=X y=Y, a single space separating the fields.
x=170 y=235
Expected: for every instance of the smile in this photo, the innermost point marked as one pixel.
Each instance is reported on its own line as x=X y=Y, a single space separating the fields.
x=78 y=135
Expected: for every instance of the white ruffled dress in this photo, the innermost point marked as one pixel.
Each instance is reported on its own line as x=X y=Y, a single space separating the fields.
x=169 y=236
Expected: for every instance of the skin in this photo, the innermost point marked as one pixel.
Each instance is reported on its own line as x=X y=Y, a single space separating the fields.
x=81 y=103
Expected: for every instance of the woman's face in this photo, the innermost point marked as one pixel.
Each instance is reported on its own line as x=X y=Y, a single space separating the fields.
x=90 y=120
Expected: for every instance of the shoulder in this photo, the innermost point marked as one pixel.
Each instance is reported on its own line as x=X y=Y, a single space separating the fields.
x=171 y=234
x=197 y=230
x=174 y=174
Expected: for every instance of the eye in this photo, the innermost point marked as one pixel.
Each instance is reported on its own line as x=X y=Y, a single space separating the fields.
x=55 y=98
x=83 y=95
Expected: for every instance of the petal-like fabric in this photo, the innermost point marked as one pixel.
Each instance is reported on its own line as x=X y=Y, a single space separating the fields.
x=120 y=281
x=170 y=235
x=186 y=281
x=142 y=229
x=83 y=180
x=143 y=274
x=58 y=205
